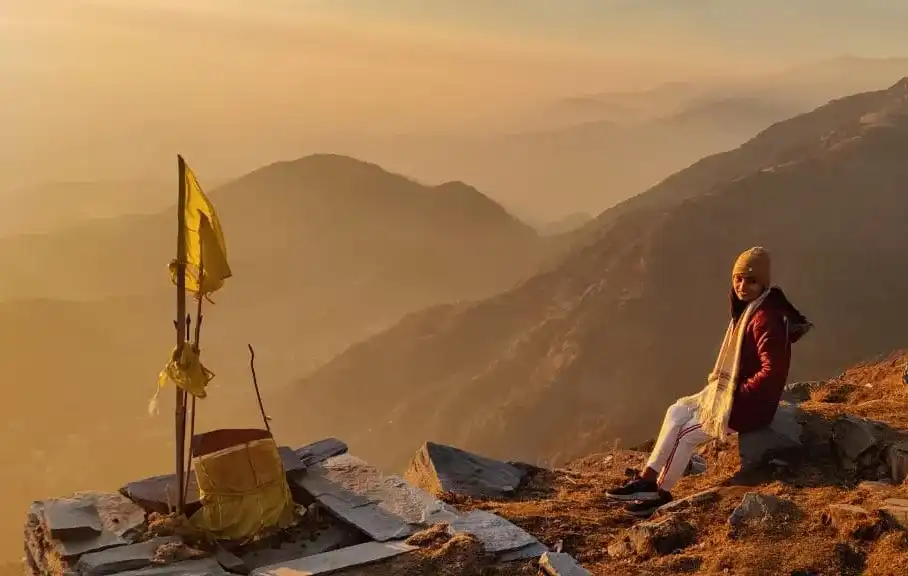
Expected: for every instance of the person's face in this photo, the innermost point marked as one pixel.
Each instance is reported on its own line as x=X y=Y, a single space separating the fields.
x=746 y=288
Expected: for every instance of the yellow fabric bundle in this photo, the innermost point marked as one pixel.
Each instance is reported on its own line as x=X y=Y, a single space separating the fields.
x=243 y=491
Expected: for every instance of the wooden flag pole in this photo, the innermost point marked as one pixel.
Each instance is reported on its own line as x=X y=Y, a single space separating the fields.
x=195 y=345
x=180 y=410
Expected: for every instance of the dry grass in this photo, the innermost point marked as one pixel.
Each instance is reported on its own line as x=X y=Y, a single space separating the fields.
x=568 y=507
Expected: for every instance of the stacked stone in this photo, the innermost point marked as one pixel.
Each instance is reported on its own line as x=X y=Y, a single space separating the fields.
x=352 y=515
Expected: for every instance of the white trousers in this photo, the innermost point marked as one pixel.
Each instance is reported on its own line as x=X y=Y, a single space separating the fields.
x=680 y=435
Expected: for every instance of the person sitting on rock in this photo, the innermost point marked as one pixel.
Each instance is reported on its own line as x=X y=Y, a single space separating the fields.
x=742 y=392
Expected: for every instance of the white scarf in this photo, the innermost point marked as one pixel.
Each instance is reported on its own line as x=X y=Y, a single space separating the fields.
x=715 y=400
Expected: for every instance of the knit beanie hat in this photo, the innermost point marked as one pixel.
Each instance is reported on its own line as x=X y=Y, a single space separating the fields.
x=754 y=262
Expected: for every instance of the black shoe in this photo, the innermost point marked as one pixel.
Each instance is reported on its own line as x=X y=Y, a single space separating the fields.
x=638 y=489
x=645 y=509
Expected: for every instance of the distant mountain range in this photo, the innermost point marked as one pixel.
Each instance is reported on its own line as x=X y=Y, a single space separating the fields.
x=594 y=349
x=587 y=153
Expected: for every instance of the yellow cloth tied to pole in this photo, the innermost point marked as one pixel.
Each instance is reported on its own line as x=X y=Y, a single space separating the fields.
x=244 y=491
x=187 y=372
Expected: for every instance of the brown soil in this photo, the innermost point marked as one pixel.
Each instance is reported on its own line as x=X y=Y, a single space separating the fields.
x=567 y=506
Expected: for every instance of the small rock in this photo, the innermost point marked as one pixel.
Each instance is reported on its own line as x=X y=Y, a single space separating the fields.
x=854 y=522
x=437 y=468
x=561 y=564
x=707 y=496
x=874 y=486
x=797 y=392
x=853 y=437
x=621 y=548
x=661 y=537
x=895 y=511
x=897 y=461
x=696 y=466
x=756 y=507
x=838 y=514
x=783 y=435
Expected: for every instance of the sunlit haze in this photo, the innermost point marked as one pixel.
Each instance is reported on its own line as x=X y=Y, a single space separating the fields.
x=96 y=89
x=499 y=224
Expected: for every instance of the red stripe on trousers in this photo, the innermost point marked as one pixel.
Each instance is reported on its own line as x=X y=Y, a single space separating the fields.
x=684 y=432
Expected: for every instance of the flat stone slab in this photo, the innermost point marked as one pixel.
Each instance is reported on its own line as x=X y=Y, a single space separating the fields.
x=498 y=536
x=118 y=518
x=331 y=538
x=437 y=469
x=527 y=552
x=72 y=549
x=290 y=460
x=694 y=500
x=71 y=518
x=318 y=452
x=337 y=560
x=561 y=564
x=384 y=507
x=131 y=557
x=159 y=493
x=119 y=514
x=203 y=567
x=230 y=561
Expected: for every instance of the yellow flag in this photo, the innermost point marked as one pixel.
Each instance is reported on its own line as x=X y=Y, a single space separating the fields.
x=205 y=245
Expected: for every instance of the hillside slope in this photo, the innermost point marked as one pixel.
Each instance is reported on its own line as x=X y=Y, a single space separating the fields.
x=594 y=349
x=835 y=516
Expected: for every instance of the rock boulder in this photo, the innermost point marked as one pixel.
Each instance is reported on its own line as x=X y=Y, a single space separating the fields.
x=756 y=507
x=782 y=436
x=437 y=469
x=661 y=537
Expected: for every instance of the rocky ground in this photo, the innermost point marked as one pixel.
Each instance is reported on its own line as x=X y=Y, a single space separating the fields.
x=822 y=492
x=835 y=504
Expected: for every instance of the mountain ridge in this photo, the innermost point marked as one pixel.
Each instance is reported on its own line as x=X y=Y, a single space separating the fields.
x=554 y=348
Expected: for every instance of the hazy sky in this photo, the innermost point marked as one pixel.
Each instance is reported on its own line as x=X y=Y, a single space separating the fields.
x=239 y=81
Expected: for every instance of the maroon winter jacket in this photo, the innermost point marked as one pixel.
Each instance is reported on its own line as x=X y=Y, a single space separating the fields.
x=765 y=360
